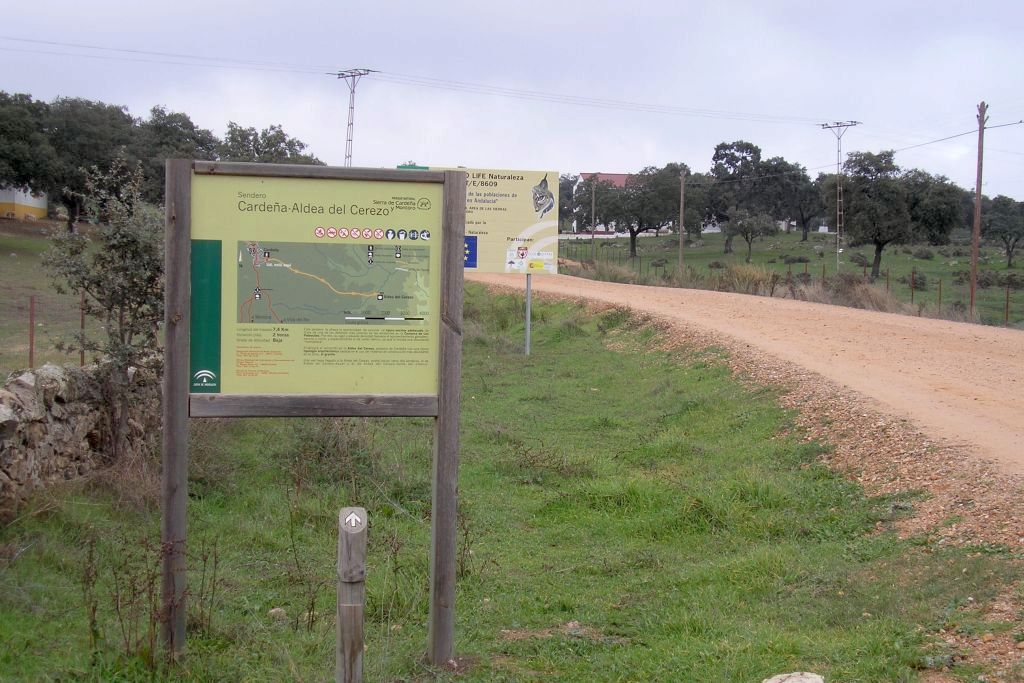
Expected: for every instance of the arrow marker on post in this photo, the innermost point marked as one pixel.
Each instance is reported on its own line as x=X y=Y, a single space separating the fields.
x=351 y=594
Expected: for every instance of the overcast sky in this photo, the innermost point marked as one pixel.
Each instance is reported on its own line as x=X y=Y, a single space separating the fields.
x=765 y=71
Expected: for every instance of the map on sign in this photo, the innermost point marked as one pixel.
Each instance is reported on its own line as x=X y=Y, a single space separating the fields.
x=333 y=284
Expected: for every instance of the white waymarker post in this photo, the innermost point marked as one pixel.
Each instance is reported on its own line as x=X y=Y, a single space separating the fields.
x=529 y=306
x=351 y=594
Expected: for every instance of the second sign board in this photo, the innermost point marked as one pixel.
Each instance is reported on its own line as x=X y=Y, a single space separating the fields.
x=511 y=220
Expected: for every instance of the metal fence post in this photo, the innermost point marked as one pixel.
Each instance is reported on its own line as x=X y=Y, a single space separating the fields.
x=81 y=329
x=1006 y=310
x=32 y=331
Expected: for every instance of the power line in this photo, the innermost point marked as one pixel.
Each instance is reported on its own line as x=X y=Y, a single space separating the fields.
x=137 y=56
x=1004 y=125
x=824 y=166
x=958 y=135
x=161 y=61
x=134 y=55
x=178 y=55
x=932 y=142
x=558 y=98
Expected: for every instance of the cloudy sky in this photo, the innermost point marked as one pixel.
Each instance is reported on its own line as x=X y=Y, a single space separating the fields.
x=567 y=86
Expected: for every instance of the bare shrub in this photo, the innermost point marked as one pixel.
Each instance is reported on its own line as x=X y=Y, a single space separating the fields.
x=956 y=312
x=121 y=597
x=919 y=280
x=1012 y=280
x=473 y=332
x=204 y=601
x=133 y=481
x=210 y=467
x=570 y=328
x=331 y=451
x=609 y=272
x=859 y=259
x=986 y=278
x=534 y=464
x=854 y=291
x=686 y=278
x=745 y=279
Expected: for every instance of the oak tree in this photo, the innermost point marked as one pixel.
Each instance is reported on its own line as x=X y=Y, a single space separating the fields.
x=875 y=201
x=1004 y=221
x=83 y=134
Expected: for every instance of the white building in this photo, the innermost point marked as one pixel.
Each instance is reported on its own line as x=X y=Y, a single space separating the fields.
x=21 y=204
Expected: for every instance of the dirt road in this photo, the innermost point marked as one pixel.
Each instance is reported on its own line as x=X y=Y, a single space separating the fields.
x=960 y=383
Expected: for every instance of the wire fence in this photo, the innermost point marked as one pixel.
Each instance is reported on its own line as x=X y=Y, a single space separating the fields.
x=33 y=326
x=935 y=297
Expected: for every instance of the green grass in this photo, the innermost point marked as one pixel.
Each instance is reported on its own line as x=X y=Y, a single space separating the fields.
x=625 y=515
x=770 y=252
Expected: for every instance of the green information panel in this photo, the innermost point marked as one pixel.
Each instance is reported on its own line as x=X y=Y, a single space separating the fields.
x=314 y=286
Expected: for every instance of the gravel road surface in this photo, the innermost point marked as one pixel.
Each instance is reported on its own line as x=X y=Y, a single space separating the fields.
x=961 y=383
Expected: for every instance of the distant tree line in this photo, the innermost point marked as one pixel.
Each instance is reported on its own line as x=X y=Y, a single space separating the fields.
x=750 y=197
x=51 y=146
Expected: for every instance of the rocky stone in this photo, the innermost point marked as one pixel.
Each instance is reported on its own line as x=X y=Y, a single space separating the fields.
x=52 y=427
x=52 y=382
x=797 y=677
x=8 y=422
x=26 y=396
x=26 y=379
x=278 y=614
x=33 y=433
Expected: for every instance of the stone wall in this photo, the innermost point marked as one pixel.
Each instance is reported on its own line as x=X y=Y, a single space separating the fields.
x=53 y=428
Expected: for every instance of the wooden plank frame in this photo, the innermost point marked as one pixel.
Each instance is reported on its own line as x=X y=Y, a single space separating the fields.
x=179 y=405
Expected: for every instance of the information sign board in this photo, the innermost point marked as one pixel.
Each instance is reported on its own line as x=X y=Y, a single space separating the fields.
x=511 y=220
x=295 y=291
x=314 y=286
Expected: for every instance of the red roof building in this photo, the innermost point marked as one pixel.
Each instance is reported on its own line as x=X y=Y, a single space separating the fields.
x=615 y=179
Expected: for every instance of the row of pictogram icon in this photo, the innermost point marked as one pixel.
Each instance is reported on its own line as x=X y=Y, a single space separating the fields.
x=367 y=233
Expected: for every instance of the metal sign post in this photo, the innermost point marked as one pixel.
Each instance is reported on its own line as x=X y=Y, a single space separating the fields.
x=529 y=306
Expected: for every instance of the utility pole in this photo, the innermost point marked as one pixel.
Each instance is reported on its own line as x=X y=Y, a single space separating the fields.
x=351 y=78
x=682 y=206
x=839 y=128
x=976 y=232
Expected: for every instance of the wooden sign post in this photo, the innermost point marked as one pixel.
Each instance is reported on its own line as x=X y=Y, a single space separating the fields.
x=352 y=522
x=231 y=227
